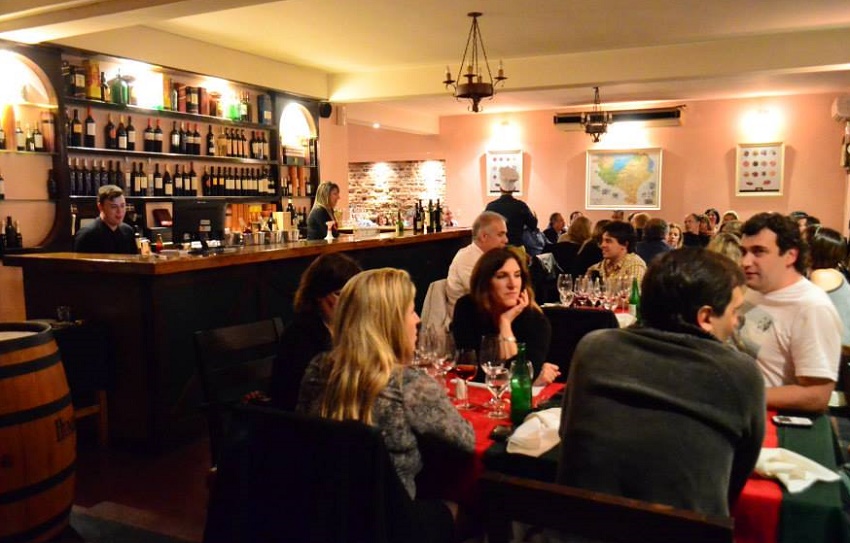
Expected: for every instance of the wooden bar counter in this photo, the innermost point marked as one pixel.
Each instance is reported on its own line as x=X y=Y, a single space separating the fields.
x=153 y=305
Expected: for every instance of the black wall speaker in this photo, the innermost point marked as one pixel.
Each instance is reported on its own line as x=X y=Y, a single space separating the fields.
x=325 y=110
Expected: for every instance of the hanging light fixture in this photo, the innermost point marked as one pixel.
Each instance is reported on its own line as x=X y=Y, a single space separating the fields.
x=478 y=85
x=596 y=122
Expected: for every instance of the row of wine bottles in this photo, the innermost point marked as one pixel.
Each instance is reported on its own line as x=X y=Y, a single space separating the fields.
x=427 y=220
x=184 y=181
x=184 y=140
x=30 y=139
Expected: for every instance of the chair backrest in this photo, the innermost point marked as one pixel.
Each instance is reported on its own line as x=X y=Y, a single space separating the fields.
x=592 y=516
x=293 y=477
x=569 y=325
x=233 y=361
x=435 y=307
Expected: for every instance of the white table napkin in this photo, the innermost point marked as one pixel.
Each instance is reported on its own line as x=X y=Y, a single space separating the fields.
x=537 y=434
x=793 y=470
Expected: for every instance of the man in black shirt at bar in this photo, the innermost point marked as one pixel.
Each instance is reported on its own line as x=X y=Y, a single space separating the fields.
x=107 y=233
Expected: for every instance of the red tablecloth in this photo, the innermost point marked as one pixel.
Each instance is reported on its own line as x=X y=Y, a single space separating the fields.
x=756 y=513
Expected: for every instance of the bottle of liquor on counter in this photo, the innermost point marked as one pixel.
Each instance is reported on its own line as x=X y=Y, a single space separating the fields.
x=131 y=135
x=520 y=387
x=3 y=186
x=90 y=130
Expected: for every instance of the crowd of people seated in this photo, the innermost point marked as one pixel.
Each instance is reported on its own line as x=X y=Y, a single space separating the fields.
x=741 y=315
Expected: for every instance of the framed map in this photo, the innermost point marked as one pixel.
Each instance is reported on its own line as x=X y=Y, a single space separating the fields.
x=504 y=164
x=759 y=169
x=623 y=179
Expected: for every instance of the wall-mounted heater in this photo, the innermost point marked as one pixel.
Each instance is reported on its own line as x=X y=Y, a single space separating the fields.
x=664 y=116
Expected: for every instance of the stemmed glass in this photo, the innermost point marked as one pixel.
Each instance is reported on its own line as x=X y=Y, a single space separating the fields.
x=465 y=368
x=581 y=290
x=497 y=379
x=491 y=356
x=565 y=289
x=594 y=291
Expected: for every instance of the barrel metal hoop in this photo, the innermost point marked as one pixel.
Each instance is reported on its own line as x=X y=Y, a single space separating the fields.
x=20 y=494
x=38 y=337
x=45 y=527
x=16 y=370
x=29 y=415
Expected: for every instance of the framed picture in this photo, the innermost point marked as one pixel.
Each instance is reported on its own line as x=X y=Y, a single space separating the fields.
x=623 y=179
x=504 y=165
x=759 y=169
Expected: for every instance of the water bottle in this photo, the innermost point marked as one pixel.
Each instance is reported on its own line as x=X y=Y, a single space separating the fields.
x=520 y=387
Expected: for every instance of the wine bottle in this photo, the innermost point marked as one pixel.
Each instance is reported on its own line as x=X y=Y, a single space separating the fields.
x=206 y=183
x=210 y=141
x=10 y=233
x=3 y=187
x=38 y=140
x=174 y=138
x=438 y=217
x=52 y=186
x=110 y=175
x=167 y=182
x=29 y=141
x=87 y=179
x=221 y=143
x=634 y=299
x=109 y=133
x=520 y=387
x=149 y=138
x=137 y=180
x=102 y=177
x=90 y=130
x=20 y=138
x=183 y=142
x=72 y=176
x=121 y=134
x=2 y=138
x=76 y=130
x=196 y=143
x=158 y=189
x=158 y=137
x=131 y=135
x=193 y=181
x=120 y=180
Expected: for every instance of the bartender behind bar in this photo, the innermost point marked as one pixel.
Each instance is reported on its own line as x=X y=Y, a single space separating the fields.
x=107 y=233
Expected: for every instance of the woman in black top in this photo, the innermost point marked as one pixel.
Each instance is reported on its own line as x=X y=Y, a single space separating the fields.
x=501 y=301
x=309 y=332
x=327 y=195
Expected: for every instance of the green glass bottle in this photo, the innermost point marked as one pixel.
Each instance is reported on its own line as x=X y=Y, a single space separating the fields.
x=520 y=387
x=634 y=299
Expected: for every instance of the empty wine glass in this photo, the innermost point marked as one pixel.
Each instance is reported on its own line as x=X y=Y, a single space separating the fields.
x=594 y=291
x=565 y=289
x=497 y=380
x=491 y=356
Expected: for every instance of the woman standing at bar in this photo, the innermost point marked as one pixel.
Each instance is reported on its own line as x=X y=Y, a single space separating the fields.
x=327 y=195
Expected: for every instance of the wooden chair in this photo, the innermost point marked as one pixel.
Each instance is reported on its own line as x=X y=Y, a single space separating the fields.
x=592 y=516
x=234 y=361
x=293 y=477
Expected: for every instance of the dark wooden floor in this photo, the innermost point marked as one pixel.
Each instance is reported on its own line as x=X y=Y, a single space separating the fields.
x=164 y=493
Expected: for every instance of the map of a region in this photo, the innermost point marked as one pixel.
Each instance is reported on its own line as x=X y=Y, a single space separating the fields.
x=624 y=179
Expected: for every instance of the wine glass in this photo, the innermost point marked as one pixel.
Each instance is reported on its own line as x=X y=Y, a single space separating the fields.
x=581 y=290
x=465 y=368
x=491 y=356
x=594 y=291
x=497 y=380
x=565 y=289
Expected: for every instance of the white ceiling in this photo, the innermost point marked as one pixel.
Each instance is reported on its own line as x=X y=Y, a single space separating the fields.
x=394 y=52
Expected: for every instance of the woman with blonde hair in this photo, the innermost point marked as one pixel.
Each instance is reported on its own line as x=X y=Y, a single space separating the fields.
x=674 y=235
x=569 y=244
x=729 y=245
x=327 y=195
x=367 y=375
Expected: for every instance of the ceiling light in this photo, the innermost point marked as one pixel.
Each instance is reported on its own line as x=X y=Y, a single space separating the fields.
x=478 y=86
x=596 y=122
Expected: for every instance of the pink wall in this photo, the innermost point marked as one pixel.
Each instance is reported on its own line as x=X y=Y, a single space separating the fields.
x=698 y=164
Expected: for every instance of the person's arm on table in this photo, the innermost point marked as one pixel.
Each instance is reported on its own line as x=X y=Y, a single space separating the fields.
x=811 y=394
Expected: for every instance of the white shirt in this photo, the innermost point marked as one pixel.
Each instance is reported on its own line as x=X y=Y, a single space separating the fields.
x=792 y=332
x=460 y=271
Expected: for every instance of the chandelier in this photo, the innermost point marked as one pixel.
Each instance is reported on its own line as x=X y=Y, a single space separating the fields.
x=596 y=122
x=478 y=86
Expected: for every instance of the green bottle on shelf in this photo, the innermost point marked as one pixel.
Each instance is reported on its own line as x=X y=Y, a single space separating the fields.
x=520 y=387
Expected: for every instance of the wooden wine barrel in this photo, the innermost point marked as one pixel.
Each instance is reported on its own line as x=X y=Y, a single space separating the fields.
x=37 y=435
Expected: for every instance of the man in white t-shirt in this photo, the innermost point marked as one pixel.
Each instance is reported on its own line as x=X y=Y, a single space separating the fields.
x=791 y=326
x=489 y=231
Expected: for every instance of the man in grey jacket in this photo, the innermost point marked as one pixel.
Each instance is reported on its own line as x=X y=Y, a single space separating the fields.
x=667 y=412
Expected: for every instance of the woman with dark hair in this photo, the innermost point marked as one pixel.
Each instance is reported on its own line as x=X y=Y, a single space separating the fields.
x=828 y=271
x=309 y=332
x=590 y=253
x=327 y=195
x=713 y=217
x=569 y=244
x=501 y=302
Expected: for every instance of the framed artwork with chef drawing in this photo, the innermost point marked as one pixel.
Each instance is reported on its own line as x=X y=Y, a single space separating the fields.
x=759 y=169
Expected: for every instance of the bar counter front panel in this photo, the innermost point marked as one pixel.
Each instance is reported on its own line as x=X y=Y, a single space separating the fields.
x=152 y=306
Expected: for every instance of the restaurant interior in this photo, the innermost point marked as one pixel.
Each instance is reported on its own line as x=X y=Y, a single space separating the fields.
x=723 y=77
